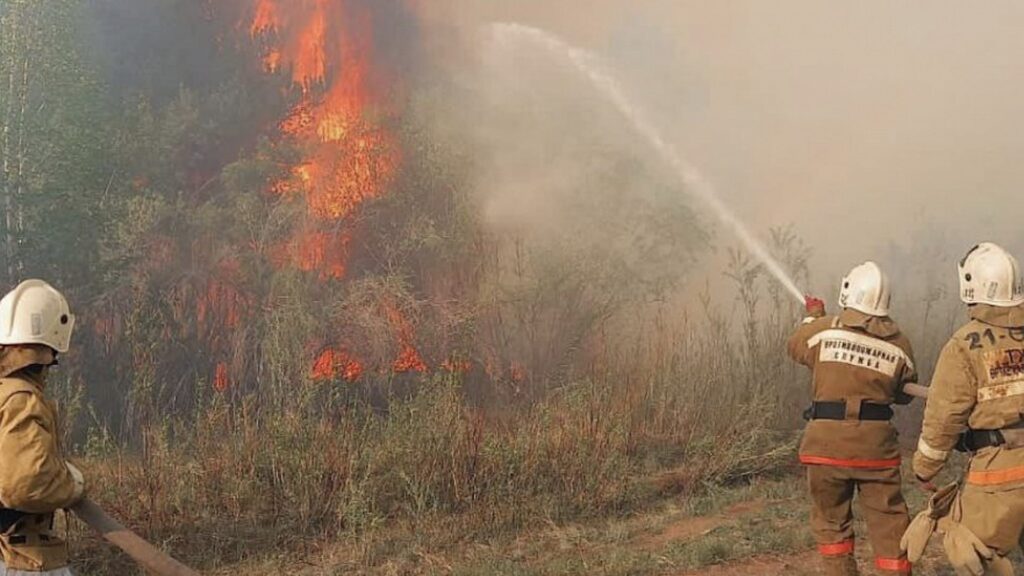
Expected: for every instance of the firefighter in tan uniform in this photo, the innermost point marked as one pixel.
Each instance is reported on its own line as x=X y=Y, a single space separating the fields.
x=976 y=404
x=860 y=361
x=35 y=480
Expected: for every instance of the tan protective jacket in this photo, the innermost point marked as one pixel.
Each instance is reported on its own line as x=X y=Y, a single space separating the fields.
x=856 y=358
x=978 y=383
x=34 y=478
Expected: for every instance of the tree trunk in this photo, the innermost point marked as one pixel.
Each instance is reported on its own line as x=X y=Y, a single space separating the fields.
x=22 y=161
x=10 y=33
x=19 y=187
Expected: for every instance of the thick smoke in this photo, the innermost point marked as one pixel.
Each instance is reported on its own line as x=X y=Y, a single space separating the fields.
x=878 y=130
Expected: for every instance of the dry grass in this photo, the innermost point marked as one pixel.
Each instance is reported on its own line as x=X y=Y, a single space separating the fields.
x=242 y=482
x=235 y=487
x=399 y=474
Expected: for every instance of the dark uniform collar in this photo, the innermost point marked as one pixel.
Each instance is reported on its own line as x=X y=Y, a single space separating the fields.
x=997 y=316
x=878 y=326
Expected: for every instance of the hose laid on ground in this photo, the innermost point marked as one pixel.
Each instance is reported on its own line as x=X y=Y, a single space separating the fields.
x=148 y=556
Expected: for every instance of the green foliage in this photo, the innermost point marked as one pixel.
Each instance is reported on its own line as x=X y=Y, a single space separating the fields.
x=54 y=136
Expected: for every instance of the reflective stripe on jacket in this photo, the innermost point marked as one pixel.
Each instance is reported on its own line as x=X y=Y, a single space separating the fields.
x=978 y=384
x=853 y=358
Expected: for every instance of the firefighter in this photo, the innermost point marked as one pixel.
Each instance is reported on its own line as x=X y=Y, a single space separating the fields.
x=976 y=404
x=860 y=361
x=35 y=479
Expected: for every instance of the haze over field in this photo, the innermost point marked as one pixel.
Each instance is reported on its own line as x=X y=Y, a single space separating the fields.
x=861 y=124
x=410 y=286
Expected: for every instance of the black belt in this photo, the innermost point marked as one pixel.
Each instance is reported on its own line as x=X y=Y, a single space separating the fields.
x=974 y=440
x=8 y=518
x=837 y=411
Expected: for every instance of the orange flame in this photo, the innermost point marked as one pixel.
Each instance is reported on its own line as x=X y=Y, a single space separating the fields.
x=272 y=61
x=222 y=302
x=323 y=252
x=221 y=381
x=457 y=366
x=332 y=363
x=267 y=19
x=349 y=158
x=409 y=359
x=299 y=121
x=309 y=67
x=517 y=372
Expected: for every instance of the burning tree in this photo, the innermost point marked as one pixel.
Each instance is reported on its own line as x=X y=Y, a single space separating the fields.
x=341 y=124
x=259 y=261
x=298 y=221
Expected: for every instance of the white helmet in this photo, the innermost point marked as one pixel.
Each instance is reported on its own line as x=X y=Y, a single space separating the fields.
x=866 y=289
x=36 y=313
x=991 y=275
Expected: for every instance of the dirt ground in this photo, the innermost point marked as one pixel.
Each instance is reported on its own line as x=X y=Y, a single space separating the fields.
x=755 y=530
x=768 y=566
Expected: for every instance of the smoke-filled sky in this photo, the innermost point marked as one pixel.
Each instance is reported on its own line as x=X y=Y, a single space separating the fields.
x=861 y=123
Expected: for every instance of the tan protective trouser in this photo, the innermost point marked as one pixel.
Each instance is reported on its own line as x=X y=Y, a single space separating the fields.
x=881 y=501
x=994 y=514
x=845 y=565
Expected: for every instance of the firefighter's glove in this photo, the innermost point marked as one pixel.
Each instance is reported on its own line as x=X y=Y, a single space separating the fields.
x=966 y=552
x=1001 y=566
x=815 y=307
x=79 y=479
x=916 y=538
x=942 y=500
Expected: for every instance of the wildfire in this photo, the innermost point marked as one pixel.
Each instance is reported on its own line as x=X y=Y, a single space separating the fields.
x=309 y=66
x=349 y=156
x=325 y=253
x=327 y=46
x=457 y=366
x=332 y=363
x=221 y=381
x=266 y=19
x=221 y=300
x=409 y=359
x=272 y=61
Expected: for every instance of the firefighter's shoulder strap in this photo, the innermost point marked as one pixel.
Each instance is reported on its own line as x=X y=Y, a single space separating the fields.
x=8 y=388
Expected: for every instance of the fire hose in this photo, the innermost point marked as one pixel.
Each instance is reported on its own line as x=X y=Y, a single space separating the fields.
x=148 y=556
x=916 y=390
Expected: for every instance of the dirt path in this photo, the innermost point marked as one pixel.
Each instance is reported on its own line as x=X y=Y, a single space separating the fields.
x=795 y=565
x=694 y=527
x=754 y=531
